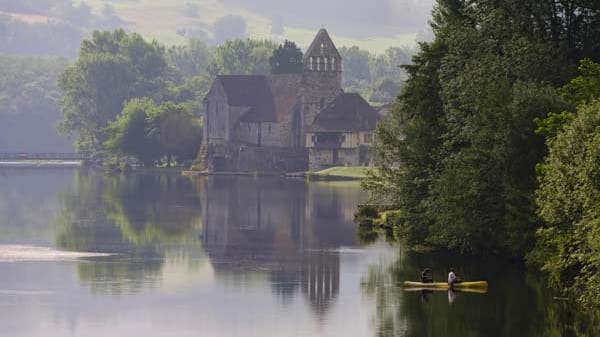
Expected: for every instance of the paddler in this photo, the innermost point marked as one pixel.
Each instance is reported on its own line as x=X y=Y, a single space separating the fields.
x=426 y=276
x=452 y=278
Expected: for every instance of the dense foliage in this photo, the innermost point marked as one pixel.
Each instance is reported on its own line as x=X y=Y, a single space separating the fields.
x=569 y=194
x=149 y=132
x=29 y=97
x=242 y=57
x=123 y=99
x=459 y=151
x=286 y=59
x=112 y=68
x=377 y=77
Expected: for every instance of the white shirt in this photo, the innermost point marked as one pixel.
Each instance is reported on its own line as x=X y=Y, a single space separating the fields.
x=451 y=277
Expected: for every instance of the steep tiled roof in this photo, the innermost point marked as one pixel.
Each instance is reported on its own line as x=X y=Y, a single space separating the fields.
x=347 y=112
x=267 y=98
x=253 y=92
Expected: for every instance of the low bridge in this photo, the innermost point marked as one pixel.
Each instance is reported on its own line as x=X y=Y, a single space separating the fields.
x=4 y=156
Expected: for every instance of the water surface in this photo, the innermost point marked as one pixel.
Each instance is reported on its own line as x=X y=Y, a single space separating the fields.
x=85 y=254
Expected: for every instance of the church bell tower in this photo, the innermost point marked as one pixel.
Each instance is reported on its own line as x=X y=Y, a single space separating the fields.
x=322 y=76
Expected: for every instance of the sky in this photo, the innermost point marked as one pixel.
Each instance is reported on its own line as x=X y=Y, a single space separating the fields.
x=371 y=24
x=353 y=18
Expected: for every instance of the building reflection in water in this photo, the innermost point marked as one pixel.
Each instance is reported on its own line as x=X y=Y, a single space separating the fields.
x=290 y=229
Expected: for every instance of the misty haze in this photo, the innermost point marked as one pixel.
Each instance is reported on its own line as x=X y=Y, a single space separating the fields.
x=299 y=168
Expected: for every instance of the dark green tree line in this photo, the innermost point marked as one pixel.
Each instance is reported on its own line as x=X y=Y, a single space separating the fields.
x=459 y=152
x=568 y=198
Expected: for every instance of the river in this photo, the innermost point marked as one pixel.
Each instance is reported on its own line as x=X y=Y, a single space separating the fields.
x=86 y=254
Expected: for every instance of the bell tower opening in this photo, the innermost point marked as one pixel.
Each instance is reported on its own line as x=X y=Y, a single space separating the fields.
x=323 y=52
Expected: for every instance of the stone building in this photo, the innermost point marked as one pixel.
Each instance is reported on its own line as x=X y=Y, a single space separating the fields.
x=261 y=122
x=342 y=133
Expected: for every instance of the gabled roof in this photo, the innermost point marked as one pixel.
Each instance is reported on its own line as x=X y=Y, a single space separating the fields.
x=252 y=92
x=266 y=98
x=347 y=113
x=322 y=39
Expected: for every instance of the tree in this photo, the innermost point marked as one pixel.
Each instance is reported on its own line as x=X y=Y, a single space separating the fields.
x=29 y=104
x=149 y=132
x=179 y=134
x=459 y=152
x=287 y=59
x=190 y=60
x=568 y=196
x=569 y=203
x=356 y=66
x=112 y=68
x=131 y=133
x=384 y=90
x=242 y=57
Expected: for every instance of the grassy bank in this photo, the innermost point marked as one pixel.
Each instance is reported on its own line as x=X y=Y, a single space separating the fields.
x=340 y=173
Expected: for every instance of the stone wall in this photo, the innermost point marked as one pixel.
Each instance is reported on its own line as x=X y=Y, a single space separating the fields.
x=247 y=158
x=216 y=115
x=319 y=159
x=318 y=90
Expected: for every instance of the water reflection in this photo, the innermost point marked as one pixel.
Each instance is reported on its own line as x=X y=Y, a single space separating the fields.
x=285 y=228
x=226 y=256
x=136 y=217
x=517 y=304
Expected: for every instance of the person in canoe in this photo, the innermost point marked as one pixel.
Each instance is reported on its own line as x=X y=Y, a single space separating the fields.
x=452 y=278
x=426 y=276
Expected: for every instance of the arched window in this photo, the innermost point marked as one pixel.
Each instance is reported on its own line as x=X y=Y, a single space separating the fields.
x=319 y=63
x=325 y=64
x=311 y=63
x=333 y=63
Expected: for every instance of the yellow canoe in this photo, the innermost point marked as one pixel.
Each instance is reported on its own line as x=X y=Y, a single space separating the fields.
x=460 y=290
x=444 y=285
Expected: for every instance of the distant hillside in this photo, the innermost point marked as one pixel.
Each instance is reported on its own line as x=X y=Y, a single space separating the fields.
x=172 y=21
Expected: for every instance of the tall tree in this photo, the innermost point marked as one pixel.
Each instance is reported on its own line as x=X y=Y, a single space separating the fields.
x=190 y=60
x=463 y=171
x=130 y=134
x=568 y=197
x=112 y=68
x=236 y=57
x=287 y=59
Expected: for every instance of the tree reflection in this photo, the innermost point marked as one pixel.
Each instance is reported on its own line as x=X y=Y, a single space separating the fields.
x=135 y=217
x=516 y=305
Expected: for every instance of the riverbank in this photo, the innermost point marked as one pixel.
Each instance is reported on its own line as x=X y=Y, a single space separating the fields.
x=340 y=173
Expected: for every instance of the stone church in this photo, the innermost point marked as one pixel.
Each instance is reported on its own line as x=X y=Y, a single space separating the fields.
x=289 y=122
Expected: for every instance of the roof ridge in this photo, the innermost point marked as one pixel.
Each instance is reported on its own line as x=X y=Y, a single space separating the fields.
x=322 y=34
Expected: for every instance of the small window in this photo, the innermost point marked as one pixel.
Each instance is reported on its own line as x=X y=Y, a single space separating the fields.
x=312 y=63
x=333 y=63
x=326 y=64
